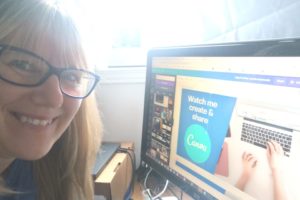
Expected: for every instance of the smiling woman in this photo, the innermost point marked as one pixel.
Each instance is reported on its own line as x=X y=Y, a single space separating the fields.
x=47 y=144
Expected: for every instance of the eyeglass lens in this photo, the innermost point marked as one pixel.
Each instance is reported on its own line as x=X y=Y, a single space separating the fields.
x=27 y=70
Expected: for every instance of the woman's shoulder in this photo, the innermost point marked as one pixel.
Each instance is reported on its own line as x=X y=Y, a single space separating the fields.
x=19 y=178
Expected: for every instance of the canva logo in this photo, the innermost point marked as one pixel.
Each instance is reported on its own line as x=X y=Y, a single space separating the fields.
x=197 y=143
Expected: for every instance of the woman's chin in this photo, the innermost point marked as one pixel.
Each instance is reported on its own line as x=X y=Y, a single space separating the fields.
x=35 y=154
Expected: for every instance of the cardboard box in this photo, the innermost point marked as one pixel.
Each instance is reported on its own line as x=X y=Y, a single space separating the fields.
x=114 y=180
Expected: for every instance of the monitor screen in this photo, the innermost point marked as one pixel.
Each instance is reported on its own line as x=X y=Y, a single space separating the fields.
x=222 y=121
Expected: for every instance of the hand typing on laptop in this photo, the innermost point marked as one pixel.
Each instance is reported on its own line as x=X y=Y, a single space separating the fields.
x=249 y=164
x=275 y=156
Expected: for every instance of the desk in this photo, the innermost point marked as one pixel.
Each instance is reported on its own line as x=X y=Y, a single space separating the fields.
x=138 y=192
x=114 y=180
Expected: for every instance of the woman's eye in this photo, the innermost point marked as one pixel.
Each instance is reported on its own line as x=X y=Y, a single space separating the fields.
x=75 y=79
x=23 y=65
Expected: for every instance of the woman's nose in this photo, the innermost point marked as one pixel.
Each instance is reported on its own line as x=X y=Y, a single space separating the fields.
x=49 y=93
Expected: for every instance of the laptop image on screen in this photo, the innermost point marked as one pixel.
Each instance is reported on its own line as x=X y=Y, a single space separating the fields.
x=261 y=124
x=206 y=106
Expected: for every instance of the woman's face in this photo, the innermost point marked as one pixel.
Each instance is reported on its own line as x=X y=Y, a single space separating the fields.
x=32 y=119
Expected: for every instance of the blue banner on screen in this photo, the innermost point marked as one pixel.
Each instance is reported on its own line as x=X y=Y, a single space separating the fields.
x=203 y=126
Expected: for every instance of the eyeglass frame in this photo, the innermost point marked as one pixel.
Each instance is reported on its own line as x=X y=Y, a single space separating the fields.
x=52 y=71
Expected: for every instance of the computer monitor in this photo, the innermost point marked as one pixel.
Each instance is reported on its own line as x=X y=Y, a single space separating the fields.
x=211 y=109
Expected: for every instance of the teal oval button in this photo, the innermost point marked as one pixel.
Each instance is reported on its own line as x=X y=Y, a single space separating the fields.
x=197 y=143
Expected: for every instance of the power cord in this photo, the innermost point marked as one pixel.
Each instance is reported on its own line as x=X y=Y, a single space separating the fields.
x=147 y=191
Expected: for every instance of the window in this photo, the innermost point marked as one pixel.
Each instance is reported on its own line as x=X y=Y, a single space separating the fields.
x=119 y=32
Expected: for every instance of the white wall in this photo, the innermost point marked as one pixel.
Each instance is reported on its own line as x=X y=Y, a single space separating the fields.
x=121 y=100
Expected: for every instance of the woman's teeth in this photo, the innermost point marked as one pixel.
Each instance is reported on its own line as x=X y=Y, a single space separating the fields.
x=36 y=122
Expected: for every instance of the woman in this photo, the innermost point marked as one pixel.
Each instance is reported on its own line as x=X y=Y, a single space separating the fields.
x=49 y=130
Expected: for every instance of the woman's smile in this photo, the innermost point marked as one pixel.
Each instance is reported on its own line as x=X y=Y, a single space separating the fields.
x=32 y=120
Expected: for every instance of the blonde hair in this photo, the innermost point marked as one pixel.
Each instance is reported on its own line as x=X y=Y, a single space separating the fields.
x=65 y=173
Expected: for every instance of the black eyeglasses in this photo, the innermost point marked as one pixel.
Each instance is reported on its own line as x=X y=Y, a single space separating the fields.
x=24 y=68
